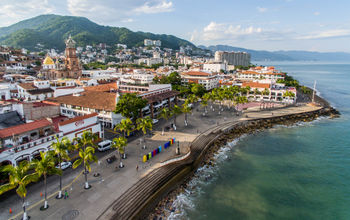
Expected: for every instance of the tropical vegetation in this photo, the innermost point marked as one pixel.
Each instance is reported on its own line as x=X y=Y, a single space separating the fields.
x=120 y=144
x=43 y=167
x=18 y=178
x=144 y=124
x=86 y=147
x=61 y=149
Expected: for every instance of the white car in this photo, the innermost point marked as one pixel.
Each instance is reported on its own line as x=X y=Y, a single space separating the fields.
x=64 y=165
x=154 y=121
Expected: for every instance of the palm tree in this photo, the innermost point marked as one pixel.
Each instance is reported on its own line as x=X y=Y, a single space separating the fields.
x=186 y=109
x=126 y=126
x=166 y=114
x=43 y=167
x=61 y=149
x=176 y=110
x=206 y=98
x=19 y=178
x=192 y=98
x=85 y=145
x=220 y=97
x=204 y=104
x=144 y=124
x=266 y=91
x=119 y=143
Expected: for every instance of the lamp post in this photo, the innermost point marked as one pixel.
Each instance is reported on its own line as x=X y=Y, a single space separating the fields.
x=178 y=148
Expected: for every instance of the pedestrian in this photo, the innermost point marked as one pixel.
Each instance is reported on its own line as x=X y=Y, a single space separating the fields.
x=65 y=194
x=137 y=168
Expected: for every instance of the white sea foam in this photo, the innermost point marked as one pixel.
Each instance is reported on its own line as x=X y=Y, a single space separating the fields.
x=203 y=176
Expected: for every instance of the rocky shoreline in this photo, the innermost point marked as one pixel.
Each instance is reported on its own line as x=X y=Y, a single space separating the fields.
x=165 y=206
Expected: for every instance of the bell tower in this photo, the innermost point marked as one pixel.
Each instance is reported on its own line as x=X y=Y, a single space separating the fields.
x=72 y=61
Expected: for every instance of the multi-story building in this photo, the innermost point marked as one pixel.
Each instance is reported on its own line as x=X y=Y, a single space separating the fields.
x=101 y=102
x=253 y=75
x=208 y=80
x=38 y=90
x=215 y=67
x=25 y=141
x=148 y=42
x=270 y=92
x=233 y=58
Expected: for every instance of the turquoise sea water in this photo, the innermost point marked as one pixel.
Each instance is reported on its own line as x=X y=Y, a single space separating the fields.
x=298 y=172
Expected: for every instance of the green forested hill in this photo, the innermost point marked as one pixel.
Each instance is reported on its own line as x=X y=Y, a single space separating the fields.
x=51 y=30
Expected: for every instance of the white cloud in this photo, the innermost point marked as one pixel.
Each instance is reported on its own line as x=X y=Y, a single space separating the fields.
x=218 y=31
x=261 y=9
x=326 y=34
x=155 y=7
x=128 y=20
x=109 y=11
x=316 y=13
x=14 y=11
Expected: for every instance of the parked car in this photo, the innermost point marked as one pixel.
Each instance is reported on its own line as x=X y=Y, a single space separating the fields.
x=64 y=165
x=104 y=145
x=155 y=121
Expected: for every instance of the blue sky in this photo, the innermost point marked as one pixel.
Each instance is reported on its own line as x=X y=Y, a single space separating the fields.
x=322 y=25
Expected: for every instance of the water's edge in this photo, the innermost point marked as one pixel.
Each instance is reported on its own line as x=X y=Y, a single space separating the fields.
x=171 y=189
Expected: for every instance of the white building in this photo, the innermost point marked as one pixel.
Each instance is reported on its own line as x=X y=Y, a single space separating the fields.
x=214 y=67
x=208 y=80
x=148 y=42
x=253 y=75
x=38 y=90
x=25 y=141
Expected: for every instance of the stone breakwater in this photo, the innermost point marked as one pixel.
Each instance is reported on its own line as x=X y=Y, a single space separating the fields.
x=156 y=191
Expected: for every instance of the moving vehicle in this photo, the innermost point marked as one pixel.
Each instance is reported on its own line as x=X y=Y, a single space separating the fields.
x=64 y=165
x=104 y=145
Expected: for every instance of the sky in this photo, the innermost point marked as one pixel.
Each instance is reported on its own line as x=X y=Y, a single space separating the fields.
x=312 y=25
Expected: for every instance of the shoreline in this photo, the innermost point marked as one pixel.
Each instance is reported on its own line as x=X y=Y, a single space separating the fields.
x=145 y=198
x=165 y=206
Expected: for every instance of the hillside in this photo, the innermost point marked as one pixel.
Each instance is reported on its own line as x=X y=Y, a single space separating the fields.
x=262 y=55
x=51 y=30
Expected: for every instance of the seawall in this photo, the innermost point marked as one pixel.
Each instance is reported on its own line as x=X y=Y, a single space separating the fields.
x=139 y=200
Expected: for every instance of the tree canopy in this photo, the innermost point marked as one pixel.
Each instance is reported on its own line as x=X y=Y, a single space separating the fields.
x=130 y=105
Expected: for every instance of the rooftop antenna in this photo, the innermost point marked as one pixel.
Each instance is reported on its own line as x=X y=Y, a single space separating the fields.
x=313 y=93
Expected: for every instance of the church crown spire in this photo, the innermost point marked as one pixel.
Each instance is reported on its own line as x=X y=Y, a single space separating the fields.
x=70 y=43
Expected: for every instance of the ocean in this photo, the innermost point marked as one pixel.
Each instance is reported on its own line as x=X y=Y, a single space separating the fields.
x=295 y=172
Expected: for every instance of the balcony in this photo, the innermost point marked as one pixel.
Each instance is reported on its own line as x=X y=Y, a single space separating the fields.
x=30 y=144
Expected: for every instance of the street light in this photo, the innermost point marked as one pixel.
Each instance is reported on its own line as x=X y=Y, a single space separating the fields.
x=178 y=148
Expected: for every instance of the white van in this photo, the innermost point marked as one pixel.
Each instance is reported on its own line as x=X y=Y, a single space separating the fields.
x=104 y=145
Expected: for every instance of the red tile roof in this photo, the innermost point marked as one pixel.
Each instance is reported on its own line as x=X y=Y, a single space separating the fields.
x=27 y=86
x=256 y=85
x=102 y=88
x=88 y=99
x=19 y=129
x=196 y=73
x=79 y=118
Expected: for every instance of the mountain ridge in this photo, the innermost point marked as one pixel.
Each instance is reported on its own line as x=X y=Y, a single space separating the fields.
x=51 y=30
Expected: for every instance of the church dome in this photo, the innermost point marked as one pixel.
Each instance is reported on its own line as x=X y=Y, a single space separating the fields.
x=48 y=61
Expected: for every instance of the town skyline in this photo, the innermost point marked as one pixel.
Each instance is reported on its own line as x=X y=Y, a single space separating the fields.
x=275 y=25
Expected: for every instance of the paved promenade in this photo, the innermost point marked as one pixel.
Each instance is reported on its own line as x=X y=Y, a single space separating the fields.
x=112 y=182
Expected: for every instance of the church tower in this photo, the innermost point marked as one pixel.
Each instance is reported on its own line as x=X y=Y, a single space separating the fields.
x=72 y=61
